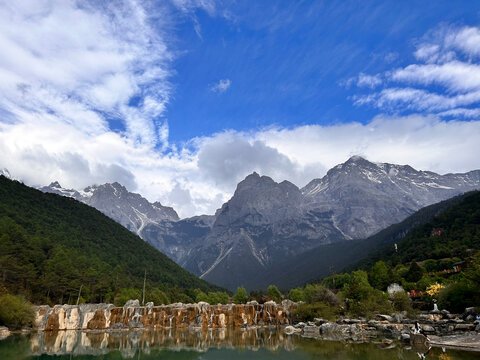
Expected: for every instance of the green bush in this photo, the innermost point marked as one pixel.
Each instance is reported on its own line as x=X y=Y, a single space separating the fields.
x=307 y=312
x=240 y=296
x=430 y=265
x=158 y=297
x=318 y=293
x=296 y=295
x=414 y=273
x=274 y=294
x=375 y=303
x=15 y=311
x=401 y=302
x=218 y=297
x=124 y=295
x=379 y=276
x=457 y=296
x=257 y=295
x=336 y=281
x=358 y=288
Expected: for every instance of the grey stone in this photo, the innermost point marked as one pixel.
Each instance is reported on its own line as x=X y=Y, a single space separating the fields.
x=319 y=321
x=132 y=303
x=291 y=330
x=4 y=332
x=428 y=328
x=384 y=318
x=464 y=327
x=311 y=330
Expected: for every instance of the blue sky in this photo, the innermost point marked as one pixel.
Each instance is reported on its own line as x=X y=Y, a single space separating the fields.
x=179 y=100
x=286 y=61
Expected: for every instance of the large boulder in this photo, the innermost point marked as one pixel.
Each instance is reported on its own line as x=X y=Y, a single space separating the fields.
x=4 y=332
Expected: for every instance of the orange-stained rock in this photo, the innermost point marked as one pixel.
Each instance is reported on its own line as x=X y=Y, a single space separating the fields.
x=201 y=315
x=99 y=321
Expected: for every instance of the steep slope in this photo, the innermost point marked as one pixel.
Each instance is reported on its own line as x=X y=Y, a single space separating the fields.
x=176 y=239
x=366 y=197
x=129 y=209
x=50 y=245
x=262 y=223
x=455 y=232
x=326 y=259
x=266 y=223
x=158 y=225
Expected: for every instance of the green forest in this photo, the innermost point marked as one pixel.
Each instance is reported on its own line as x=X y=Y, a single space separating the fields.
x=438 y=260
x=51 y=247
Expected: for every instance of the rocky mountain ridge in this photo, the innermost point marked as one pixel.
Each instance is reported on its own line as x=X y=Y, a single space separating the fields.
x=129 y=209
x=265 y=222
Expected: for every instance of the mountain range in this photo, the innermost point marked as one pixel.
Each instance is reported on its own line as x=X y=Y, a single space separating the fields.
x=53 y=247
x=265 y=222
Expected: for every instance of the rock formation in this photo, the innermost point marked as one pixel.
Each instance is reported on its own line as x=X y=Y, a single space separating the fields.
x=201 y=315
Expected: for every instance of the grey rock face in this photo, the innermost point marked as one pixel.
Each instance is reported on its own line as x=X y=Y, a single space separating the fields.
x=176 y=239
x=266 y=222
x=114 y=200
x=5 y=173
x=262 y=223
x=366 y=197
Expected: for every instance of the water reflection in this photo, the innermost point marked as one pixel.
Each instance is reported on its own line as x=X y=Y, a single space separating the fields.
x=207 y=344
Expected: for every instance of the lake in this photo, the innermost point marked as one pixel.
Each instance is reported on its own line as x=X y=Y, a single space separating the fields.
x=230 y=344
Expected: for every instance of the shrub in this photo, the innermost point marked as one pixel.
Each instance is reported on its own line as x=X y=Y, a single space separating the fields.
x=379 y=276
x=307 y=312
x=218 y=297
x=15 y=311
x=414 y=273
x=158 y=297
x=457 y=296
x=318 y=293
x=274 y=294
x=376 y=302
x=296 y=295
x=124 y=295
x=240 y=296
x=401 y=302
x=257 y=295
x=430 y=265
x=358 y=288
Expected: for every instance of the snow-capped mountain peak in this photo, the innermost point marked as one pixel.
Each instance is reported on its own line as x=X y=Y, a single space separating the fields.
x=5 y=173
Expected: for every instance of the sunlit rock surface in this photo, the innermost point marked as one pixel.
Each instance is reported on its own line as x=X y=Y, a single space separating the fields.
x=202 y=315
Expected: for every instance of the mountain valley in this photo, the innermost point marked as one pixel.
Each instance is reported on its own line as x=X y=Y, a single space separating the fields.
x=265 y=222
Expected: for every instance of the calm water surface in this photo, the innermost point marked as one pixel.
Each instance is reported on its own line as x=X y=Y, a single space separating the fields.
x=229 y=344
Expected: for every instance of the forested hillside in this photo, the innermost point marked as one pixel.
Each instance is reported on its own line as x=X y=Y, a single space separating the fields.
x=439 y=259
x=50 y=246
x=327 y=259
x=455 y=232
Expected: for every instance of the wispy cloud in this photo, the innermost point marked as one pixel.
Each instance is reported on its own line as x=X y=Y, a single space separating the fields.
x=446 y=80
x=87 y=106
x=83 y=65
x=222 y=86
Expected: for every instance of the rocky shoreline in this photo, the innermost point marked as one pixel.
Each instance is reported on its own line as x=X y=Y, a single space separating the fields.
x=133 y=316
x=437 y=328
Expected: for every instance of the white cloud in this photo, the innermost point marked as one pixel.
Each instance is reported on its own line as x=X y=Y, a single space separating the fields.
x=446 y=80
x=455 y=76
x=444 y=43
x=417 y=99
x=76 y=60
x=221 y=86
x=60 y=90
x=363 y=80
x=370 y=81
